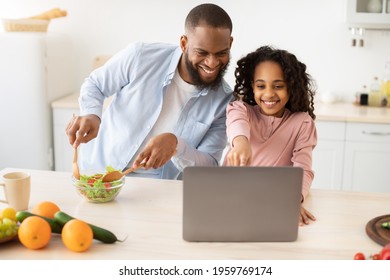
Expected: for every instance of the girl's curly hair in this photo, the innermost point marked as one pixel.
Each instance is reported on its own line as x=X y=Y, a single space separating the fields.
x=300 y=85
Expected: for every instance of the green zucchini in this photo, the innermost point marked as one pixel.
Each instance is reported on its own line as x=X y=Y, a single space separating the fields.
x=55 y=227
x=99 y=233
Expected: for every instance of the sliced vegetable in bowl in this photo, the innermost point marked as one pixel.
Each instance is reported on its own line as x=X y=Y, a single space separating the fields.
x=93 y=189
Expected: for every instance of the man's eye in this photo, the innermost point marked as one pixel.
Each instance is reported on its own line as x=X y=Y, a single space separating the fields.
x=202 y=53
x=222 y=54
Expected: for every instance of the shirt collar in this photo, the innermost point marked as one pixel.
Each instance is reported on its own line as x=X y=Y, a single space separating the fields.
x=285 y=115
x=172 y=66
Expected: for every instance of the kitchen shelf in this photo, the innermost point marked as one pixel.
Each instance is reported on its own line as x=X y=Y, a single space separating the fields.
x=360 y=15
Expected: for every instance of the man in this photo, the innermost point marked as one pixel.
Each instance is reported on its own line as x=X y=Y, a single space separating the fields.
x=168 y=108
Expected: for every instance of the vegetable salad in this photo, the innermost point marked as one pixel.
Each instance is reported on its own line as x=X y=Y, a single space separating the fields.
x=95 y=190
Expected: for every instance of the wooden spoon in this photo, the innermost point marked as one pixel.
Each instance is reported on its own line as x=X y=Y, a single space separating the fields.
x=116 y=175
x=75 y=167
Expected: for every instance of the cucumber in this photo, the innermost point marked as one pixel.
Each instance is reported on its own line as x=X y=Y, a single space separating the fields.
x=55 y=227
x=99 y=233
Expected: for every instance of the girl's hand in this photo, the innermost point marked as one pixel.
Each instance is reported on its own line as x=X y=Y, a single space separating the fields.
x=305 y=217
x=241 y=153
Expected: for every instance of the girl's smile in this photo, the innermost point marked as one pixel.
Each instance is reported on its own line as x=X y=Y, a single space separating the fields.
x=269 y=104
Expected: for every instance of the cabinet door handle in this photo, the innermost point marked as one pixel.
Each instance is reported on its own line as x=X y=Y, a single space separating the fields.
x=376 y=133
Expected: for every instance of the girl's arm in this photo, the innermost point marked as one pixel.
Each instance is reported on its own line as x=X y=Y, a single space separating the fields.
x=238 y=133
x=302 y=153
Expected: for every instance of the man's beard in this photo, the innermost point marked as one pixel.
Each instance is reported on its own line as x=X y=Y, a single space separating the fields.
x=197 y=80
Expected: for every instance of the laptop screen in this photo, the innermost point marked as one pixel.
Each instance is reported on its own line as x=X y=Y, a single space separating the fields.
x=241 y=204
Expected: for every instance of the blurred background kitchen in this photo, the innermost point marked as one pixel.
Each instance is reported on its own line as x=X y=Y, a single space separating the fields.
x=343 y=47
x=317 y=31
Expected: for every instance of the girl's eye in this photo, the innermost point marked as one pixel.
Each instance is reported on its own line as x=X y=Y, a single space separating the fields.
x=279 y=86
x=260 y=86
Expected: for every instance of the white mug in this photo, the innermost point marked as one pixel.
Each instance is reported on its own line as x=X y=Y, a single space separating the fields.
x=16 y=190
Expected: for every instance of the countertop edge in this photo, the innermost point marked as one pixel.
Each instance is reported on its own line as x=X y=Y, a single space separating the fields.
x=334 y=112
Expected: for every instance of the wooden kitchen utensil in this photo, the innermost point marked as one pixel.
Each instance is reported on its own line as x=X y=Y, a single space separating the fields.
x=75 y=166
x=116 y=175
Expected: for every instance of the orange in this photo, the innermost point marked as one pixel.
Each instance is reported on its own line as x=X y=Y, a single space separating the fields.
x=34 y=232
x=46 y=209
x=77 y=235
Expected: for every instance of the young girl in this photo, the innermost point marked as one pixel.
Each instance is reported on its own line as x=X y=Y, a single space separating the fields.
x=271 y=121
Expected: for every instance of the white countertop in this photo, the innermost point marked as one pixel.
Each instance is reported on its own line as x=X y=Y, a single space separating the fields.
x=67 y=102
x=71 y=102
x=149 y=213
x=345 y=112
x=348 y=112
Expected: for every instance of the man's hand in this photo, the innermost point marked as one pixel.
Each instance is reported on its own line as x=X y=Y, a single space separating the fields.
x=82 y=129
x=157 y=151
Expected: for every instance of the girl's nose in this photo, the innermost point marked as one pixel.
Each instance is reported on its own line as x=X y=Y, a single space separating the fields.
x=269 y=91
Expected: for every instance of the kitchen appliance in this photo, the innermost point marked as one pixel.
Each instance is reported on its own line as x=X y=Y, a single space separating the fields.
x=35 y=69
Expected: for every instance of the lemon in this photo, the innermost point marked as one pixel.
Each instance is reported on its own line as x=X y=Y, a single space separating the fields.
x=9 y=213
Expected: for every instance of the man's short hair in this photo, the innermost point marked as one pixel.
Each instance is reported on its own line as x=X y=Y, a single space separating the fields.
x=208 y=14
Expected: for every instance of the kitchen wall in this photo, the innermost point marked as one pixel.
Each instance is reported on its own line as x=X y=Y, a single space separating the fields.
x=315 y=30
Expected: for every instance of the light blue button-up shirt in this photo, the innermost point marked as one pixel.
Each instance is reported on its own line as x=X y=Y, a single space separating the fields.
x=137 y=76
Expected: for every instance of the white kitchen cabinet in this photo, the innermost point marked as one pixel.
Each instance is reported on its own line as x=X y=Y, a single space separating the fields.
x=363 y=13
x=63 y=152
x=367 y=157
x=352 y=156
x=328 y=156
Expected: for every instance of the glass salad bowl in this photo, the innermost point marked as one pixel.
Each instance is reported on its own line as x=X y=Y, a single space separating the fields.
x=92 y=189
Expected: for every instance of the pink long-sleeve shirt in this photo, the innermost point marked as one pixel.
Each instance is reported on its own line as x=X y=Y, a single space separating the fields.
x=285 y=141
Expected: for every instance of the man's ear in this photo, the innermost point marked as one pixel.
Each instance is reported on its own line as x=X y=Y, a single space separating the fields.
x=231 y=41
x=183 y=43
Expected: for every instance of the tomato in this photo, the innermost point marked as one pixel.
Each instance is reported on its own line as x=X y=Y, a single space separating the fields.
x=385 y=253
x=107 y=186
x=376 y=257
x=359 y=256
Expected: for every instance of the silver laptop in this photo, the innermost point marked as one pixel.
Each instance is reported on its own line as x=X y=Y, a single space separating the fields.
x=241 y=204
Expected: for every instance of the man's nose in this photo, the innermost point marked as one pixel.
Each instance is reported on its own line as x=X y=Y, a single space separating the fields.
x=211 y=61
